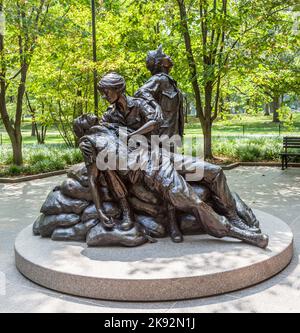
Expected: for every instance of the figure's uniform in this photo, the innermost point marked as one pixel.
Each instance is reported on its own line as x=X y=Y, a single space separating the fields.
x=138 y=113
x=163 y=89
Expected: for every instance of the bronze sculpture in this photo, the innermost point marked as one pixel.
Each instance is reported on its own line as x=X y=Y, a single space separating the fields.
x=215 y=210
x=162 y=92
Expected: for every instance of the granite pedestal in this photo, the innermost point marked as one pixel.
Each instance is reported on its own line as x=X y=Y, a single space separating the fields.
x=200 y=266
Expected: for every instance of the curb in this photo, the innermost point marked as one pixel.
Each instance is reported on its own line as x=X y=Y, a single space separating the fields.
x=31 y=177
x=268 y=164
x=230 y=166
x=257 y=164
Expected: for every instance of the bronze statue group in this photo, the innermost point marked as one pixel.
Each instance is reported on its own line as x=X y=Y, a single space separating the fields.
x=155 y=109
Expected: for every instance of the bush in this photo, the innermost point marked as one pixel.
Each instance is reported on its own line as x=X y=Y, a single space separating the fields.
x=248 y=152
x=38 y=159
x=248 y=149
x=14 y=170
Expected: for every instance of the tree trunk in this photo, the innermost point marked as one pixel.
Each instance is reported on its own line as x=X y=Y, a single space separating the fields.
x=187 y=109
x=207 y=131
x=94 y=38
x=190 y=59
x=16 y=142
x=267 y=109
x=17 y=145
x=208 y=120
x=15 y=136
x=33 y=133
x=275 y=106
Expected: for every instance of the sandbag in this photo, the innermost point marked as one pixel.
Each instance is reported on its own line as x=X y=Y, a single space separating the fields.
x=98 y=236
x=143 y=194
x=48 y=223
x=189 y=225
x=79 y=173
x=152 y=225
x=57 y=203
x=76 y=233
x=73 y=189
x=110 y=209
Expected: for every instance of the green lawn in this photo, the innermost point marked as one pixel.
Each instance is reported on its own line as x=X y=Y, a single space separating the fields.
x=52 y=137
x=236 y=125
x=245 y=125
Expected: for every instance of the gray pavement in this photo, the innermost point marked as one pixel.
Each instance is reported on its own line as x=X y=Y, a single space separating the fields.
x=269 y=189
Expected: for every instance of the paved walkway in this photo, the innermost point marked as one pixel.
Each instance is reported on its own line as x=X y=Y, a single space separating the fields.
x=268 y=189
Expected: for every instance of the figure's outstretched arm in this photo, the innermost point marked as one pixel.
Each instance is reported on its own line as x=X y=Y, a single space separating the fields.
x=152 y=115
x=147 y=128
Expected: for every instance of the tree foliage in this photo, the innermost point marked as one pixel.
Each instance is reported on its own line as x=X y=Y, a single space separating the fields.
x=226 y=52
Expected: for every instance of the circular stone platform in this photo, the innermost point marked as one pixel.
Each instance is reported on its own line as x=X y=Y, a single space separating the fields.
x=200 y=266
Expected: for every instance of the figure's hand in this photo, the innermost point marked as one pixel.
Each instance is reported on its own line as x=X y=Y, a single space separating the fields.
x=106 y=221
x=86 y=148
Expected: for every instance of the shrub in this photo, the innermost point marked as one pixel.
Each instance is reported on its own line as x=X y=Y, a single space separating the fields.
x=248 y=152
x=39 y=159
x=14 y=170
x=248 y=149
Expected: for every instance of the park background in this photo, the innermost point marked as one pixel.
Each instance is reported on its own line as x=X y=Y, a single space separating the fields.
x=236 y=61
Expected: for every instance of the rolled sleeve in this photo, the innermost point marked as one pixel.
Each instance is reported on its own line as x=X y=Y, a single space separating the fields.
x=152 y=114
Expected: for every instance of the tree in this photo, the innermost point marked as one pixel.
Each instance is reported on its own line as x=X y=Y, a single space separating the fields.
x=24 y=23
x=224 y=51
x=271 y=65
x=216 y=35
x=60 y=82
x=39 y=132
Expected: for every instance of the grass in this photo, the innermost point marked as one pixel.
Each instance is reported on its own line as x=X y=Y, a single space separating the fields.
x=259 y=140
x=245 y=125
x=234 y=125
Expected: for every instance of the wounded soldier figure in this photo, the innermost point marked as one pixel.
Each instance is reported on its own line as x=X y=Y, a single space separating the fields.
x=164 y=180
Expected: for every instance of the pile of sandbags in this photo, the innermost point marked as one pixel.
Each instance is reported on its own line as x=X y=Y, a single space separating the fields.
x=69 y=213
